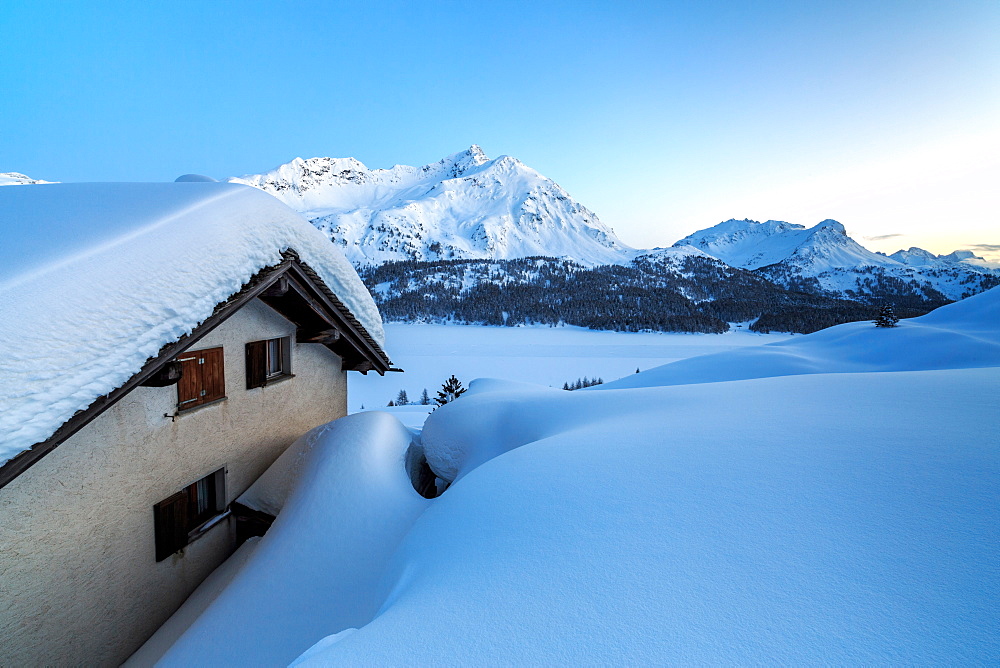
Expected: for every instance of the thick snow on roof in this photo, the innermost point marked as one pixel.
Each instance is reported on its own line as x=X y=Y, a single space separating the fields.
x=95 y=278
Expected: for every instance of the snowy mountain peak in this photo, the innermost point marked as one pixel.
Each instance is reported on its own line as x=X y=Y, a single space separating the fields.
x=965 y=260
x=18 y=179
x=458 y=164
x=832 y=225
x=750 y=244
x=915 y=257
x=960 y=256
x=824 y=258
x=464 y=206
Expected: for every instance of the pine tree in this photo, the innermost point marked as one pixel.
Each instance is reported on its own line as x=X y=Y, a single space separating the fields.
x=451 y=390
x=886 y=317
x=566 y=386
x=425 y=399
x=391 y=403
x=402 y=399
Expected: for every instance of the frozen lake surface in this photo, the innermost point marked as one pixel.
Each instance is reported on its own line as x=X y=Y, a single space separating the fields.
x=544 y=355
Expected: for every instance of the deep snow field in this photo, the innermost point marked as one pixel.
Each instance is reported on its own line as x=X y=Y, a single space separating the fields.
x=550 y=356
x=829 y=499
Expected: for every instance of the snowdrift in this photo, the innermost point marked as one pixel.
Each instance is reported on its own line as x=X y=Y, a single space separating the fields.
x=320 y=565
x=835 y=519
x=962 y=335
x=831 y=516
x=97 y=277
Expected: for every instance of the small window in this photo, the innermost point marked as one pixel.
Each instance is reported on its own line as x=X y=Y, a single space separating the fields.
x=203 y=378
x=268 y=360
x=177 y=519
x=274 y=358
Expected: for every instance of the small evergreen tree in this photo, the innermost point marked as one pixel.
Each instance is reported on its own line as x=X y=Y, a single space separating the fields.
x=391 y=403
x=425 y=399
x=451 y=390
x=402 y=399
x=886 y=317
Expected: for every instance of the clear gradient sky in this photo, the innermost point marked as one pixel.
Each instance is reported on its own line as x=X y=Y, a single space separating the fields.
x=662 y=117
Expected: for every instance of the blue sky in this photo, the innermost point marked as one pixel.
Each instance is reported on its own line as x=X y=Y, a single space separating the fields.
x=662 y=117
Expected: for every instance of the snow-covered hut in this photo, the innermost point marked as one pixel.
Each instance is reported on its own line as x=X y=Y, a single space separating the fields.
x=162 y=345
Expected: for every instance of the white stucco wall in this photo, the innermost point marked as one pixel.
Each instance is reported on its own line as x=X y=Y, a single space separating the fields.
x=79 y=583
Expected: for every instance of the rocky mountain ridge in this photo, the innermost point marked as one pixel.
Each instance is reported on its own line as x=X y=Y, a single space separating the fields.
x=465 y=206
x=824 y=259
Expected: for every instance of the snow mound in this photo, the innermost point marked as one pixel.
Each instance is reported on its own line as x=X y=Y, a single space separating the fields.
x=320 y=567
x=98 y=277
x=962 y=335
x=812 y=519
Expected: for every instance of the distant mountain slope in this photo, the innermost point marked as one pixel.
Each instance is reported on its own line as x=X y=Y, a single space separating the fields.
x=465 y=206
x=825 y=260
x=671 y=289
x=17 y=179
x=751 y=245
x=452 y=233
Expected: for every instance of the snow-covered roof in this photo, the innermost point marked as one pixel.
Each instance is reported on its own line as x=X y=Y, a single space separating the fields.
x=96 y=277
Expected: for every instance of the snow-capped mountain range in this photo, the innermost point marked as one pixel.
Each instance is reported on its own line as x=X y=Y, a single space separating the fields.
x=469 y=207
x=465 y=206
x=835 y=263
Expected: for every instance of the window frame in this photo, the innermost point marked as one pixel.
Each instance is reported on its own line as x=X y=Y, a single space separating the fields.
x=259 y=361
x=177 y=520
x=276 y=359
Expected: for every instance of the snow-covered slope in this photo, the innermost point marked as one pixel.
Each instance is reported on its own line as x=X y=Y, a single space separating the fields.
x=965 y=334
x=838 y=265
x=17 y=179
x=96 y=277
x=464 y=206
x=828 y=517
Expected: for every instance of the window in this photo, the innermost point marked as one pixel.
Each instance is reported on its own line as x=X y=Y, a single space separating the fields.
x=268 y=360
x=203 y=378
x=180 y=518
x=274 y=358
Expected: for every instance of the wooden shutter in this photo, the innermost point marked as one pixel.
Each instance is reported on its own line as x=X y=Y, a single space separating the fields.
x=189 y=386
x=256 y=364
x=213 y=374
x=203 y=378
x=170 y=519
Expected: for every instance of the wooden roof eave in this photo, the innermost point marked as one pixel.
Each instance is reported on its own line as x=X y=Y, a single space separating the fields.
x=265 y=279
